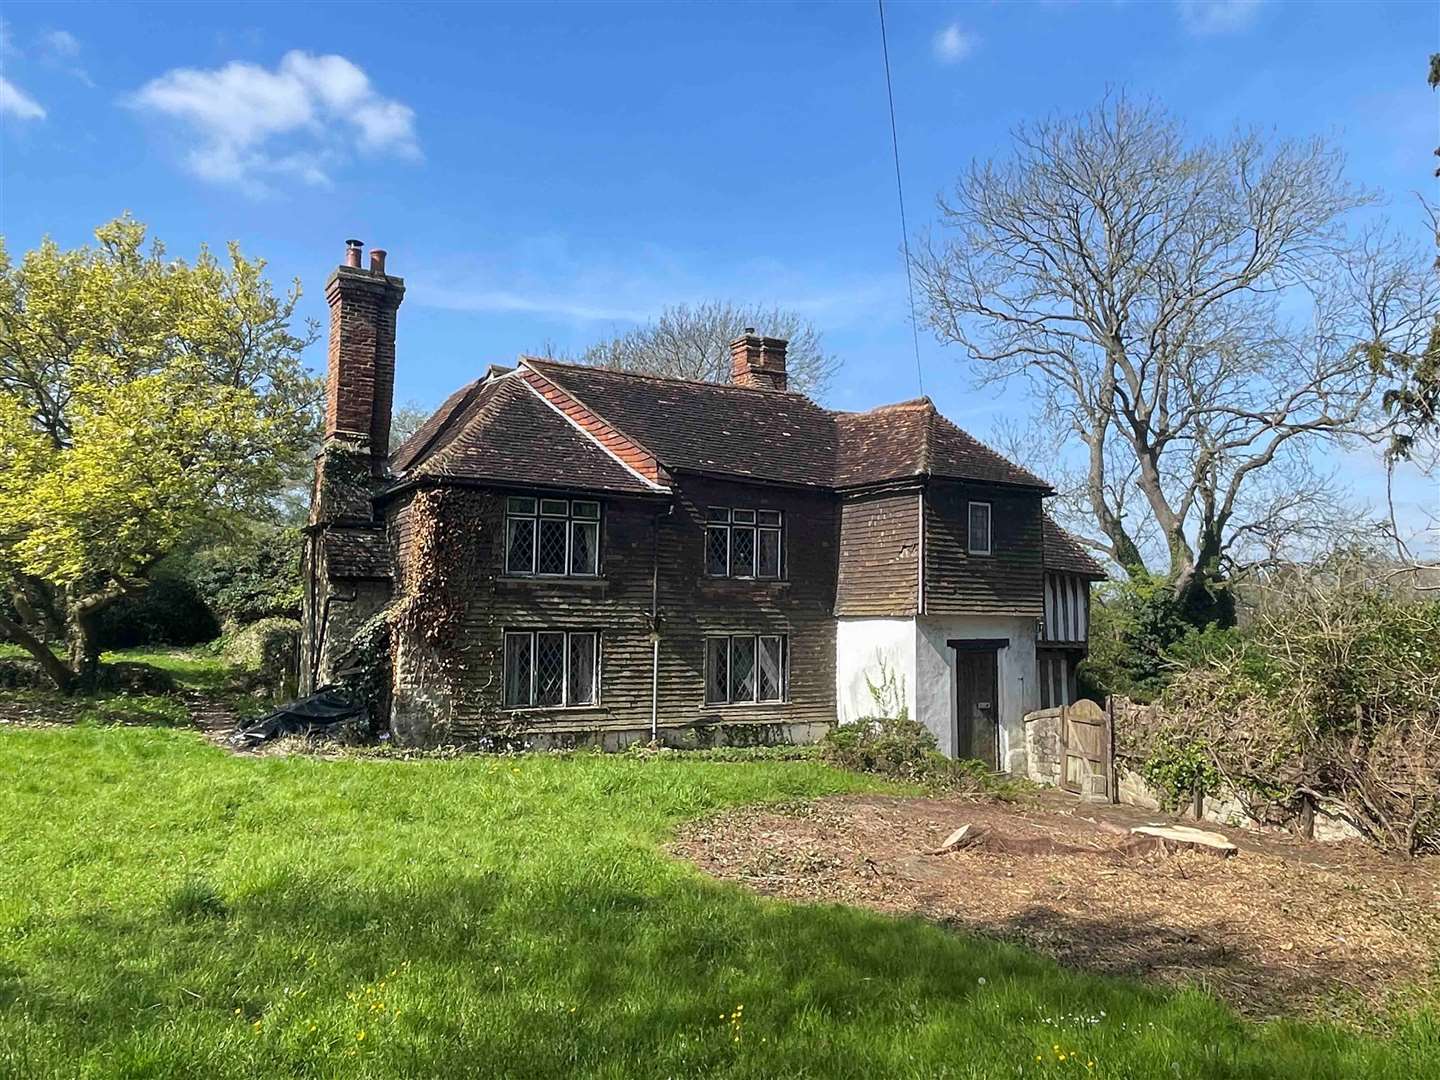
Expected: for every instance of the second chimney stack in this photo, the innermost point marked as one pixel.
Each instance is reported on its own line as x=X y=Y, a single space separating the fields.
x=758 y=362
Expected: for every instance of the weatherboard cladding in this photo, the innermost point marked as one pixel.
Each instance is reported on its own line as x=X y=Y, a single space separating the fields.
x=879 y=554
x=618 y=606
x=1010 y=580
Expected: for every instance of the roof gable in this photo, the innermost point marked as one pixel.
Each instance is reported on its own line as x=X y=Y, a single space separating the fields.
x=912 y=438
x=709 y=427
x=504 y=430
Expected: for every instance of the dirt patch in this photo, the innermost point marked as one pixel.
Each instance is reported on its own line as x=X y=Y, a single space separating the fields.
x=1282 y=928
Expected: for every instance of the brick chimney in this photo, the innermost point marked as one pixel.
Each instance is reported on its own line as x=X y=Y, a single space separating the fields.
x=758 y=362
x=360 y=388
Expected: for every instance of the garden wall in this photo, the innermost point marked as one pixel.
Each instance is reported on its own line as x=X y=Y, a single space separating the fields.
x=1044 y=746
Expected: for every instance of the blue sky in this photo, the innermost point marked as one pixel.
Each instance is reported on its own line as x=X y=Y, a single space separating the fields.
x=547 y=173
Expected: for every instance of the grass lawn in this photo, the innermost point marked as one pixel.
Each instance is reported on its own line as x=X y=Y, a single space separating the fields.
x=168 y=910
x=198 y=668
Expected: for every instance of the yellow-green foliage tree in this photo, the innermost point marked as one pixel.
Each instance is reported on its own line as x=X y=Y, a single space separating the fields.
x=145 y=402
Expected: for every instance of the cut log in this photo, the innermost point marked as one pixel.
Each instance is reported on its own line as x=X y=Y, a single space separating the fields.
x=964 y=835
x=1173 y=838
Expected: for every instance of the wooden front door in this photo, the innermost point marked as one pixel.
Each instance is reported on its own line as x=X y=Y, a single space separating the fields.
x=977 y=717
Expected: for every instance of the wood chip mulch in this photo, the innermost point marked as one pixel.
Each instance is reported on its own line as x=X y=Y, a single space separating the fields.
x=1283 y=928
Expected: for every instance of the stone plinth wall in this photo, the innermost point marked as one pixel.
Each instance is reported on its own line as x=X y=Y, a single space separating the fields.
x=1043 y=747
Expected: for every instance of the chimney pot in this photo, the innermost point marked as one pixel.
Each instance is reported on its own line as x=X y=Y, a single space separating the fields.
x=352 y=253
x=377 y=260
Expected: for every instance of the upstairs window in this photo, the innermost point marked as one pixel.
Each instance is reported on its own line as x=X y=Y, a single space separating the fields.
x=552 y=537
x=551 y=668
x=742 y=543
x=979 y=528
x=745 y=668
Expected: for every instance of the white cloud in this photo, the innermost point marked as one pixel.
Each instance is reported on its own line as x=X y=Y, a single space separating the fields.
x=61 y=49
x=61 y=44
x=1207 y=17
x=299 y=120
x=953 y=44
x=15 y=102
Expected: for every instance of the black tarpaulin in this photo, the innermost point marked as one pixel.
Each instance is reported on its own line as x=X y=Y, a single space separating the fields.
x=325 y=708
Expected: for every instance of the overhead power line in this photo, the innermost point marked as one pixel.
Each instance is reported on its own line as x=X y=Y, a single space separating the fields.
x=900 y=195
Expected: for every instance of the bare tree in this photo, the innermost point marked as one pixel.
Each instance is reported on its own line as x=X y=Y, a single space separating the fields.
x=1194 y=313
x=693 y=342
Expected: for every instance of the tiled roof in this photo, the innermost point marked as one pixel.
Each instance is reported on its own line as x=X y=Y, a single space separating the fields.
x=912 y=438
x=420 y=442
x=357 y=553
x=502 y=430
x=883 y=444
x=709 y=427
x=1065 y=554
x=691 y=426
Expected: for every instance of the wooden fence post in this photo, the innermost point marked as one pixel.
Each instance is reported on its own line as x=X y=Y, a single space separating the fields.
x=1112 y=774
x=1305 y=823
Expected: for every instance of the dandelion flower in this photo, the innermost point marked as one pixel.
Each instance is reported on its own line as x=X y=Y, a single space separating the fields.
x=360 y=1036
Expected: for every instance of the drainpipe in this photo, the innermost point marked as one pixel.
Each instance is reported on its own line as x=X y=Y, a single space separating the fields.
x=655 y=626
x=920 y=558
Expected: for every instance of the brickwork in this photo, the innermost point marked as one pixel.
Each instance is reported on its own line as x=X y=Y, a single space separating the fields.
x=346 y=568
x=360 y=382
x=758 y=362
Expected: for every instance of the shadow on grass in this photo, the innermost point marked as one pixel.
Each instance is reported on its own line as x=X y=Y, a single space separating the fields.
x=528 y=972
x=1156 y=950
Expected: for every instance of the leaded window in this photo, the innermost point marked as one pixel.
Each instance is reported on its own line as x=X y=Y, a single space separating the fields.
x=551 y=668
x=743 y=668
x=552 y=537
x=744 y=543
x=979 y=528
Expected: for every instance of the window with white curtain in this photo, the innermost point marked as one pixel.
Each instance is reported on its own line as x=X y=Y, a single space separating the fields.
x=552 y=537
x=744 y=668
x=551 y=668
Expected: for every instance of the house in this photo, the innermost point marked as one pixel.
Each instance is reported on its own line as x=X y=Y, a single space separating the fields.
x=566 y=554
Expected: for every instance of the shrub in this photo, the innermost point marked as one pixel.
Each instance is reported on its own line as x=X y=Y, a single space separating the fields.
x=255 y=576
x=1178 y=767
x=1334 y=695
x=1140 y=637
x=903 y=749
x=265 y=652
x=170 y=611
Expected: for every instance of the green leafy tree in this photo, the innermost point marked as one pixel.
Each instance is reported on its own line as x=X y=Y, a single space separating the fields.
x=146 y=403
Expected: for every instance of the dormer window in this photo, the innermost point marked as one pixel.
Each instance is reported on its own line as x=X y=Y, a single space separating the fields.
x=743 y=543
x=552 y=537
x=979 y=528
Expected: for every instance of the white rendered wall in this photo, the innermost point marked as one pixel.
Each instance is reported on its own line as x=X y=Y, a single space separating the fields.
x=934 y=682
x=872 y=647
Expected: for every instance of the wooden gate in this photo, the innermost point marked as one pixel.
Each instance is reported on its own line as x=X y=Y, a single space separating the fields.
x=1085 y=749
